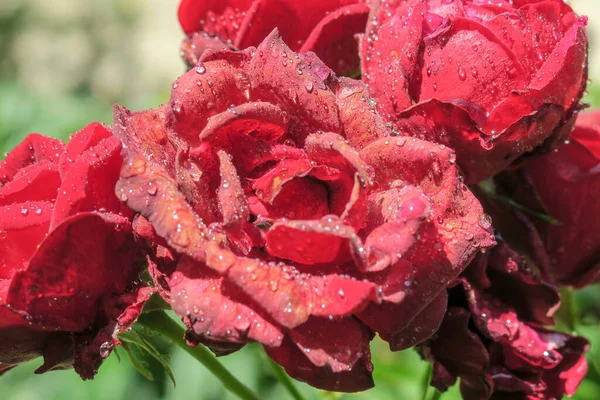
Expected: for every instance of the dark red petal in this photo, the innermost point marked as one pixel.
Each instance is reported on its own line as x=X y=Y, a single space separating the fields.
x=22 y=228
x=422 y=327
x=461 y=353
x=330 y=355
x=122 y=311
x=291 y=297
x=34 y=149
x=19 y=344
x=389 y=55
x=216 y=310
x=85 y=258
x=334 y=41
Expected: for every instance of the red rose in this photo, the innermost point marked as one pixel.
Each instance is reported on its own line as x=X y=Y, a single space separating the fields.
x=493 y=337
x=564 y=185
x=326 y=27
x=492 y=80
x=67 y=254
x=293 y=217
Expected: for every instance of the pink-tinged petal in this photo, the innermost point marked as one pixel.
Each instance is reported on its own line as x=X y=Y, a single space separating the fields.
x=263 y=121
x=85 y=258
x=197 y=43
x=232 y=200
x=313 y=242
x=333 y=39
x=216 y=310
x=150 y=191
x=422 y=327
x=88 y=180
x=476 y=68
x=573 y=369
x=389 y=55
x=22 y=228
x=362 y=124
x=199 y=94
x=316 y=354
x=297 y=85
x=392 y=225
x=34 y=149
x=144 y=132
x=290 y=297
x=36 y=182
x=455 y=231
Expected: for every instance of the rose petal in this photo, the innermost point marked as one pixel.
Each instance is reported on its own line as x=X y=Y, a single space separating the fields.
x=333 y=39
x=34 y=149
x=86 y=257
x=313 y=355
x=291 y=297
x=216 y=310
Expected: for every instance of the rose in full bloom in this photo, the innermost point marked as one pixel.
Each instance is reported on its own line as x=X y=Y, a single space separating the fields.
x=68 y=258
x=493 y=80
x=493 y=337
x=564 y=185
x=326 y=27
x=291 y=216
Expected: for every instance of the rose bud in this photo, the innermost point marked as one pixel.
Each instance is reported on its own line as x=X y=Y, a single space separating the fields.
x=293 y=217
x=492 y=80
x=68 y=257
x=326 y=27
x=564 y=186
x=493 y=338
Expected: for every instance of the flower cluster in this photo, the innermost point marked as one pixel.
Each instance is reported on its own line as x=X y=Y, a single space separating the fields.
x=272 y=200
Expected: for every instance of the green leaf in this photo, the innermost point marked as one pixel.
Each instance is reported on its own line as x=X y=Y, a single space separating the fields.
x=137 y=339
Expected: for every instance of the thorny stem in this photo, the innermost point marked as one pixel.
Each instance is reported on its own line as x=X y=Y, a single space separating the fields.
x=164 y=325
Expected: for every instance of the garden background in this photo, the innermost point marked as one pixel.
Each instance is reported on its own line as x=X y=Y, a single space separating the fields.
x=63 y=63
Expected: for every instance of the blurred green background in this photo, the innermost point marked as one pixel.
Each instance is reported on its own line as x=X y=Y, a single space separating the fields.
x=63 y=63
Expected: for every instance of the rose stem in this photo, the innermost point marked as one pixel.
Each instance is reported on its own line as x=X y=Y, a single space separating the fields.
x=161 y=323
x=285 y=380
